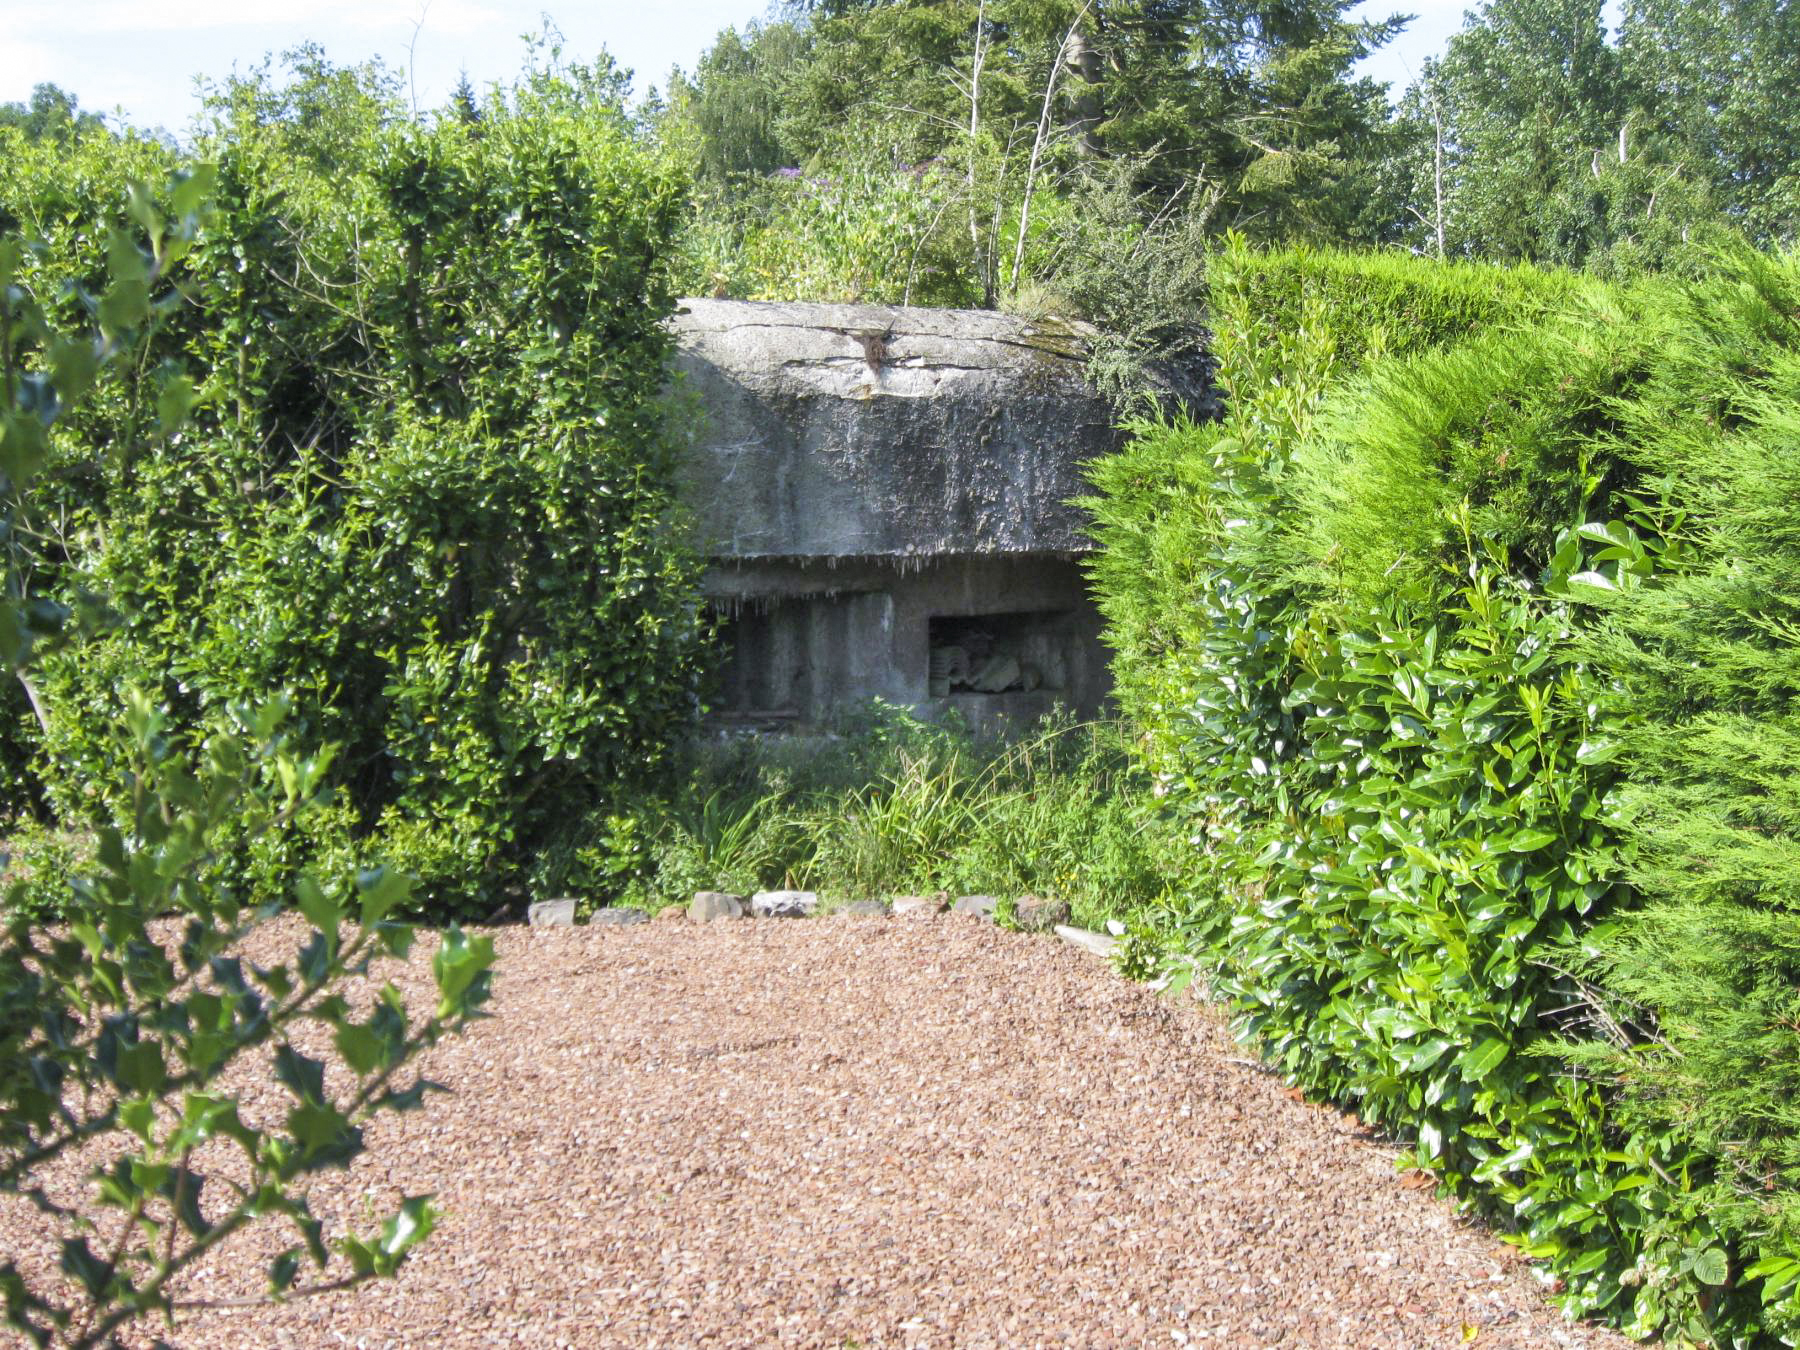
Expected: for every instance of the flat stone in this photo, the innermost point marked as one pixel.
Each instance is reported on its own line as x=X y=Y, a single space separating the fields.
x=1097 y=943
x=869 y=907
x=617 y=916
x=710 y=906
x=551 y=914
x=926 y=905
x=784 y=904
x=1036 y=915
x=981 y=906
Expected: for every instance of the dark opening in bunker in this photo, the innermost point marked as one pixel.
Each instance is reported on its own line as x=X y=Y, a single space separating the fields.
x=762 y=676
x=1014 y=653
x=799 y=658
x=1011 y=638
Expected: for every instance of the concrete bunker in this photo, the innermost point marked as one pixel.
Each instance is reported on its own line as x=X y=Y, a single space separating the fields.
x=885 y=497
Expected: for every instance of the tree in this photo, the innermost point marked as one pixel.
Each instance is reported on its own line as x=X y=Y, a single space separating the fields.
x=1197 y=93
x=733 y=101
x=992 y=116
x=1717 y=79
x=1529 y=142
x=465 y=103
x=1533 y=90
x=52 y=114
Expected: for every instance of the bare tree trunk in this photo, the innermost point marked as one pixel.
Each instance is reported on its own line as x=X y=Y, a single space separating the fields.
x=1037 y=146
x=984 y=264
x=1437 y=169
x=1089 y=105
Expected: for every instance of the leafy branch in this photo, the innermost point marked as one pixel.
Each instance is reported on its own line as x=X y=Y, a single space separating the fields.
x=130 y=1018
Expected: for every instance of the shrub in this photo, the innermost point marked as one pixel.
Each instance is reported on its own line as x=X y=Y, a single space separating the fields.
x=1140 y=278
x=424 y=485
x=1375 y=304
x=1197 y=520
x=1513 y=421
x=1356 y=620
x=1708 y=659
x=117 y=1030
x=117 y=1027
x=869 y=232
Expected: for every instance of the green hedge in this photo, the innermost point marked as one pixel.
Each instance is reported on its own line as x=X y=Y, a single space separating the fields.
x=423 y=485
x=1512 y=421
x=1389 y=629
x=1375 y=305
x=1707 y=658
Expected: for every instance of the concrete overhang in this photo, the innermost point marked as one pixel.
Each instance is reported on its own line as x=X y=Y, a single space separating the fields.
x=883 y=433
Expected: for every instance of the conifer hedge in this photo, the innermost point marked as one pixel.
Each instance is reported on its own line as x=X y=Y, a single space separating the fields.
x=1464 y=650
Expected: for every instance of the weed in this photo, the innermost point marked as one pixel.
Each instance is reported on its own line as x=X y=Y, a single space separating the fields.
x=884 y=803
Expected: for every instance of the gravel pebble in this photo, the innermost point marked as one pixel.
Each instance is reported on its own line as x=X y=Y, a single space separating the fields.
x=836 y=1132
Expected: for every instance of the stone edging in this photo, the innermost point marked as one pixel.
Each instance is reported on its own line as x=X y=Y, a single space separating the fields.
x=1031 y=913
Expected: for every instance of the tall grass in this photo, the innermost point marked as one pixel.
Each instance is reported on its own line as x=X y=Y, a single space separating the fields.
x=882 y=804
x=887 y=805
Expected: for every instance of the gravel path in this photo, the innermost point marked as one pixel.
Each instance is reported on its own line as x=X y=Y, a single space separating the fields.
x=865 y=1132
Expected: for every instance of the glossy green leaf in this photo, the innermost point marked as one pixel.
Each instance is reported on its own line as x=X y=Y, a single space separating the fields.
x=1711 y=1266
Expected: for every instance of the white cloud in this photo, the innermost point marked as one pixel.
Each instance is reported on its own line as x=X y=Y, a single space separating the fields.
x=111 y=17
x=22 y=63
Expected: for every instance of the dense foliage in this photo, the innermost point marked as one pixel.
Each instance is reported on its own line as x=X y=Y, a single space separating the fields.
x=117 y=1030
x=50 y=114
x=1416 y=635
x=1540 y=135
x=940 y=150
x=1708 y=664
x=892 y=805
x=1033 y=153
x=422 y=484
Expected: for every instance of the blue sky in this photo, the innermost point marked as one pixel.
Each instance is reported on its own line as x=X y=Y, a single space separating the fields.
x=144 y=55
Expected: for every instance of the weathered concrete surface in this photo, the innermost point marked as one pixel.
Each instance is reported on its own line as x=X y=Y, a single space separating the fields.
x=806 y=638
x=857 y=431
x=882 y=488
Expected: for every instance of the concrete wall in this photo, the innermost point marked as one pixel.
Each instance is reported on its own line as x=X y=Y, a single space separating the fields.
x=873 y=482
x=862 y=431
x=809 y=638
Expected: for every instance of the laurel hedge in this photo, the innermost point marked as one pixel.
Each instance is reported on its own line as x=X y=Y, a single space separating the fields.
x=1463 y=652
